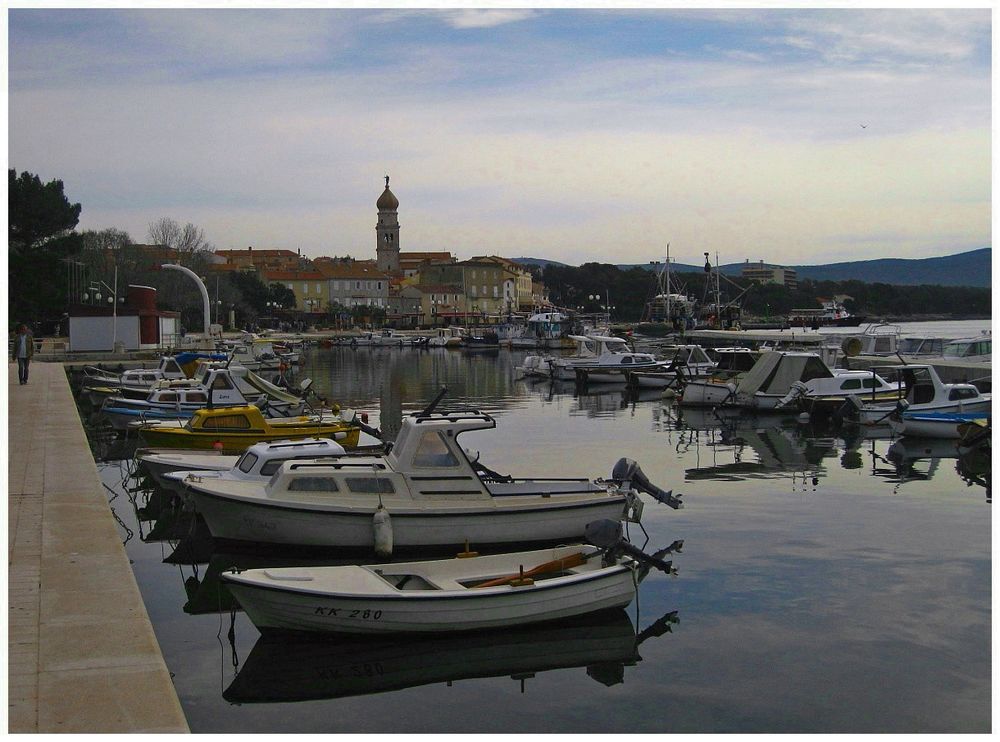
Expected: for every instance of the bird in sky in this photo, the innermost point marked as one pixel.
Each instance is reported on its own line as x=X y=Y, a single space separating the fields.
x=864 y=126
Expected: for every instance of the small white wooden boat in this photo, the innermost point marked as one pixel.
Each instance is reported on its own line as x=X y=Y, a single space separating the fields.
x=461 y=594
x=425 y=492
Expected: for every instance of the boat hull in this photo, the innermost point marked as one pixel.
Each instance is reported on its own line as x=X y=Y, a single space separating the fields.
x=943 y=425
x=290 y=606
x=179 y=437
x=351 y=527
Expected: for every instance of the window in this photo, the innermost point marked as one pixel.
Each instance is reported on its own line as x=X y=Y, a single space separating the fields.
x=434 y=451
x=851 y=384
x=246 y=462
x=870 y=383
x=313 y=484
x=473 y=292
x=222 y=382
x=272 y=466
x=168 y=396
x=172 y=367
x=319 y=288
x=962 y=393
x=305 y=289
x=357 y=285
x=232 y=422
x=379 y=285
x=496 y=291
x=370 y=485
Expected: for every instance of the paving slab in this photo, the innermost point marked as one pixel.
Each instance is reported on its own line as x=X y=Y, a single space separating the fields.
x=82 y=655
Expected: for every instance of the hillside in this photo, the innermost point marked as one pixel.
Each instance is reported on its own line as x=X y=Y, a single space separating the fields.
x=973 y=268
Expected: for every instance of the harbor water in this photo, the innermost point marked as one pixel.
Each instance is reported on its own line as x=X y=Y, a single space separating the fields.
x=830 y=580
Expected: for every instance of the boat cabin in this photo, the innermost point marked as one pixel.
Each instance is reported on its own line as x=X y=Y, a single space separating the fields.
x=969 y=349
x=262 y=460
x=424 y=462
x=776 y=371
x=920 y=385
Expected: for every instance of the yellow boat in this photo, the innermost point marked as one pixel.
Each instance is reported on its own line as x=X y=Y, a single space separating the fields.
x=234 y=429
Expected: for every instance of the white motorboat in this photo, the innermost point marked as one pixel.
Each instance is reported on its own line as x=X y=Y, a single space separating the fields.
x=975 y=349
x=765 y=386
x=923 y=391
x=601 y=358
x=427 y=491
x=460 y=594
x=825 y=394
x=684 y=362
x=170 y=466
x=217 y=385
x=447 y=337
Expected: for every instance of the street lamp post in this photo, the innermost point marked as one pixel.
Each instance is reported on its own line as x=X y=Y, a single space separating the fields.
x=94 y=291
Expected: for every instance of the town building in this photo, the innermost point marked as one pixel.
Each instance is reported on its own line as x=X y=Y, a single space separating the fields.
x=309 y=287
x=262 y=260
x=764 y=273
x=516 y=293
x=135 y=323
x=352 y=283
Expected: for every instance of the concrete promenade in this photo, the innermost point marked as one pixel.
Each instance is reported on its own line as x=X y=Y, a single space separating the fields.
x=82 y=653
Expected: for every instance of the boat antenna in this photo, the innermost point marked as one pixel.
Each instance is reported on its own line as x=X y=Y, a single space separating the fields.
x=434 y=403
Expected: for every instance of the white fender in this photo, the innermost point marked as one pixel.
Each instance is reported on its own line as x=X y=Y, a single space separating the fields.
x=383 y=531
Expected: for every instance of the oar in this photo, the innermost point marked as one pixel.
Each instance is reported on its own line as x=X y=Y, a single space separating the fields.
x=556 y=565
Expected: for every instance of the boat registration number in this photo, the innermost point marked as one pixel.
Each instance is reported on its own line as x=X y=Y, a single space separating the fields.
x=364 y=614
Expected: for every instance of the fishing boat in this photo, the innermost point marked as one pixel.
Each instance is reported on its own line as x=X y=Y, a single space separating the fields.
x=237 y=428
x=425 y=492
x=445 y=595
x=135 y=383
x=934 y=424
x=923 y=391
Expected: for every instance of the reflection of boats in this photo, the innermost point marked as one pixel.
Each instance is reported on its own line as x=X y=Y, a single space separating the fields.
x=432 y=494
x=303 y=667
x=779 y=451
x=236 y=428
x=467 y=593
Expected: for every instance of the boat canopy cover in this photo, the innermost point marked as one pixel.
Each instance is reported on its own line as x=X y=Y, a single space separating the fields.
x=271 y=390
x=189 y=356
x=775 y=372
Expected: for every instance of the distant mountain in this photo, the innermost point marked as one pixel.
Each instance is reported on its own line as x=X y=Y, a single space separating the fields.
x=973 y=268
x=540 y=262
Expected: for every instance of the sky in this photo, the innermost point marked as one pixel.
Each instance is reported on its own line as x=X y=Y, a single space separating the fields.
x=793 y=136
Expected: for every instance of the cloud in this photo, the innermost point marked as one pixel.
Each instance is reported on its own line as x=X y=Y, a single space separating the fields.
x=482 y=18
x=529 y=145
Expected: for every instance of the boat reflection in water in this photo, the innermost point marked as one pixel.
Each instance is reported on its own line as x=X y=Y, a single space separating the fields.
x=919 y=459
x=291 y=667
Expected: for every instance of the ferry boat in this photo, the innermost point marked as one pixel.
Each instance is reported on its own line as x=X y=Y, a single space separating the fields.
x=831 y=314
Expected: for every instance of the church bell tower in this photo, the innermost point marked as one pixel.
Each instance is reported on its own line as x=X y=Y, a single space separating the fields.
x=387 y=231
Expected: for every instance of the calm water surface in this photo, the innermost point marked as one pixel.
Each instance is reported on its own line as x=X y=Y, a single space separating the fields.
x=828 y=582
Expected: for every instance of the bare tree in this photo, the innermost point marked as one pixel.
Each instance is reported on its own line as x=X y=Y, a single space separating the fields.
x=187 y=240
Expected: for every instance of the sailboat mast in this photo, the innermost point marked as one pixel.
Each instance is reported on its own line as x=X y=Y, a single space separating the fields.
x=668 y=282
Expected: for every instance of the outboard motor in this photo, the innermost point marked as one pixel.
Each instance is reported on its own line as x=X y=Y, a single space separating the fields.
x=627 y=471
x=607 y=535
x=796 y=390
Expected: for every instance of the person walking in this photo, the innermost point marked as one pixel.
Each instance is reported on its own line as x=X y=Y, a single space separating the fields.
x=24 y=349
